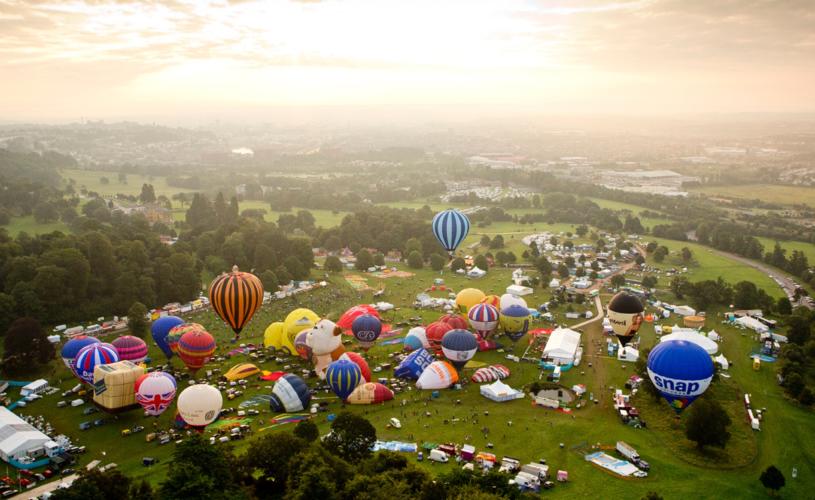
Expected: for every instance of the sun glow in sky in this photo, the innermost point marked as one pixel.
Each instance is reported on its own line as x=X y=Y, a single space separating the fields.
x=121 y=59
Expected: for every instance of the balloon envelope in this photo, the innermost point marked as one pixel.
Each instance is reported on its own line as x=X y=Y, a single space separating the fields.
x=459 y=346
x=200 y=404
x=493 y=300
x=290 y=394
x=155 y=392
x=343 y=376
x=177 y=332
x=435 y=332
x=73 y=346
x=416 y=338
x=298 y=320
x=160 y=329
x=467 y=298
x=456 y=321
x=195 y=349
x=625 y=315
x=681 y=371
x=347 y=319
x=360 y=362
x=515 y=321
x=484 y=319
x=275 y=337
x=92 y=355
x=301 y=346
x=130 y=348
x=508 y=299
x=438 y=375
x=235 y=297
x=450 y=227
x=370 y=393
x=414 y=364
x=366 y=329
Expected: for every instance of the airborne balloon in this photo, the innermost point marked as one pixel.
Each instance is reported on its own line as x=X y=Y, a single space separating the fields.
x=346 y=321
x=681 y=371
x=236 y=296
x=625 y=315
x=161 y=328
x=450 y=227
x=177 y=332
x=508 y=299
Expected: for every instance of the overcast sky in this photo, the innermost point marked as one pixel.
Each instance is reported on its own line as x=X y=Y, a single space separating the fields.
x=67 y=60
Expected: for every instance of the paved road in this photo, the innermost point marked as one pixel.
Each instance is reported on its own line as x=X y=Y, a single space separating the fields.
x=46 y=488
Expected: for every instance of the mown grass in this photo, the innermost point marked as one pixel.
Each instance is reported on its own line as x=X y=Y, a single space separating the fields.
x=781 y=195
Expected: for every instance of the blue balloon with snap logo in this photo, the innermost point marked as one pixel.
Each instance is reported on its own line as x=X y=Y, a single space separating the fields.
x=681 y=371
x=413 y=365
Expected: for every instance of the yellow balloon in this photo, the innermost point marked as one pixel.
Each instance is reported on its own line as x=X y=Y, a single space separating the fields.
x=275 y=336
x=467 y=298
x=299 y=320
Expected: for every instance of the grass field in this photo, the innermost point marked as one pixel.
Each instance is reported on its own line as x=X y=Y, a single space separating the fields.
x=789 y=246
x=29 y=225
x=782 y=195
x=787 y=438
x=91 y=180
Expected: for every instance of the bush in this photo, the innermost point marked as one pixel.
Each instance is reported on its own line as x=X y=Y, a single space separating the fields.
x=414 y=260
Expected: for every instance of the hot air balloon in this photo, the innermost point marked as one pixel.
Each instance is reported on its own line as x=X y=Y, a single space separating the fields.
x=73 y=346
x=435 y=332
x=490 y=374
x=416 y=338
x=511 y=300
x=301 y=346
x=276 y=338
x=241 y=371
x=113 y=386
x=155 y=392
x=467 y=298
x=160 y=329
x=681 y=371
x=366 y=329
x=92 y=355
x=360 y=362
x=370 y=393
x=195 y=349
x=236 y=296
x=325 y=342
x=493 y=300
x=625 y=316
x=343 y=376
x=456 y=321
x=130 y=348
x=297 y=321
x=438 y=375
x=459 y=346
x=290 y=394
x=515 y=321
x=200 y=404
x=450 y=227
x=414 y=364
x=484 y=319
x=346 y=321
x=177 y=332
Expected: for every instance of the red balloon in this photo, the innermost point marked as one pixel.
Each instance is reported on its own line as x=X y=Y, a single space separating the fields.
x=360 y=362
x=347 y=319
x=456 y=321
x=435 y=331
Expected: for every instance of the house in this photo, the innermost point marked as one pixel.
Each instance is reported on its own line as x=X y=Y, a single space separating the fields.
x=35 y=387
x=581 y=283
x=562 y=346
x=19 y=439
x=519 y=278
x=519 y=291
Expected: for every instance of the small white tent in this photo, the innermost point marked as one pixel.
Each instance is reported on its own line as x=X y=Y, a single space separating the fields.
x=499 y=391
x=712 y=335
x=476 y=272
x=518 y=290
x=705 y=343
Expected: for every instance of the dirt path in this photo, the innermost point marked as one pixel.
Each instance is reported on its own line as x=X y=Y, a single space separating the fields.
x=594 y=343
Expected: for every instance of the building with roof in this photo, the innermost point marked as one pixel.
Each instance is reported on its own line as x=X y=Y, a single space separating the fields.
x=21 y=440
x=562 y=347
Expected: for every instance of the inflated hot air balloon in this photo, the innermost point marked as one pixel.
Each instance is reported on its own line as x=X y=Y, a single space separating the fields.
x=370 y=393
x=435 y=332
x=416 y=338
x=275 y=337
x=681 y=371
x=625 y=315
x=290 y=394
x=346 y=321
x=450 y=227
x=467 y=298
x=177 y=332
x=343 y=376
x=515 y=321
x=298 y=320
x=456 y=321
x=73 y=346
x=155 y=392
x=459 y=346
x=130 y=348
x=195 y=348
x=236 y=296
x=484 y=319
x=493 y=300
x=200 y=404
x=490 y=374
x=438 y=375
x=160 y=329
x=301 y=346
x=92 y=355
x=366 y=329
x=414 y=364
x=511 y=300
x=360 y=362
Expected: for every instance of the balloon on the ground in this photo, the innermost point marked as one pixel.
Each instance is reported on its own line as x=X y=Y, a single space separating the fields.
x=200 y=404
x=366 y=329
x=438 y=375
x=297 y=321
x=325 y=341
x=155 y=392
x=456 y=321
x=450 y=227
x=177 y=332
x=290 y=394
x=625 y=315
x=160 y=329
x=241 y=371
x=370 y=393
x=414 y=364
x=276 y=338
x=130 y=348
x=435 y=332
x=346 y=321
x=508 y=299
x=360 y=362
x=301 y=346
x=467 y=298
x=113 y=386
x=343 y=376
x=416 y=338
x=459 y=346
x=484 y=319
x=681 y=371
x=235 y=297
x=515 y=321
x=195 y=348
x=73 y=346
x=493 y=300
x=90 y=356
x=490 y=374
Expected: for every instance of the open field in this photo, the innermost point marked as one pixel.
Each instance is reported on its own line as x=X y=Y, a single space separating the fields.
x=789 y=246
x=91 y=180
x=29 y=225
x=782 y=195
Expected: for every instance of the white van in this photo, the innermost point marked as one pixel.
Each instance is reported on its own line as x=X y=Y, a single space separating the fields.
x=438 y=456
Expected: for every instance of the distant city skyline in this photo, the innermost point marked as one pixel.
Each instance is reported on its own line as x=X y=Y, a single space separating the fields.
x=372 y=60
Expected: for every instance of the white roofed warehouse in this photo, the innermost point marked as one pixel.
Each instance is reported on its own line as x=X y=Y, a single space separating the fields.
x=18 y=438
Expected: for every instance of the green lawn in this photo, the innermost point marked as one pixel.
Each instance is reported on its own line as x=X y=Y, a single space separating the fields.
x=91 y=180
x=789 y=246
x=32 y=227
x=782 y=195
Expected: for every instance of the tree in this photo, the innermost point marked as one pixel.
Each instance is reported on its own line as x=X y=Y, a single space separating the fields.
x=457 y=263
x=806 y=396
x=269 y=280
x=379 y=259
x=271 y=458
x=799 y=330
x=364 y=260
x=437 y=262
x=581 y=230
x=652 y=495
x=772 y=479
x=660 y=254
x=8 y=311
x=651 y=246
x=680 y=286
x=563 y=270
x=706 y=423
x=649 y=281
x=137 y=319
x=485 y=241
x=480 y=262
x=414 y=260
x=201 y=470
x=307 y=431
x=26 y=347
x=687 y=255
x=95 y=484
x=783 y=306
x=333 y=264
x=544 y=267
x=497 y=242
x=351 y=437
x=148 y=194
x=413 y=245
x=617 y=280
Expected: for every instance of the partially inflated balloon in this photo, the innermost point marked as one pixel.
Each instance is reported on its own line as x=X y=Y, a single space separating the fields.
x=195 y=348
x=625 y=315
x=155 y=392
x=290 y=394
x=681 y=371
x=493 y=300
x=360 y=362
x=130 y=348
x=416 y=338
x=343 y=377
x=511 y=300
x=366 y=329
x=438 y=375
x=456 y=321
x=370 y=393
x=435 y=332
x=484 y=319
x=298 y=320
x=236 y=296
x=160 y=329
x=467 y=298
x=199 y=405
x=73 y=346
x=459 y=346
x=301 y=346
x=515 y=321
x=450 y=227
x=346 y=321
x=276 y=338
x=414 y=364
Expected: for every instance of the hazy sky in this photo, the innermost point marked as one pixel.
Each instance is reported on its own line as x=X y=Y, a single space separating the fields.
x=166 y=59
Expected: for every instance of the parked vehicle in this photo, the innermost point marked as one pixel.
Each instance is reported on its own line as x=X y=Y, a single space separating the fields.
x=630 y=453
x=439 y=456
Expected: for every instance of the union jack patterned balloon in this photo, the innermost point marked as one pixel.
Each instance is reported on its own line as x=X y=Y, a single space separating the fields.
x=155 y=392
